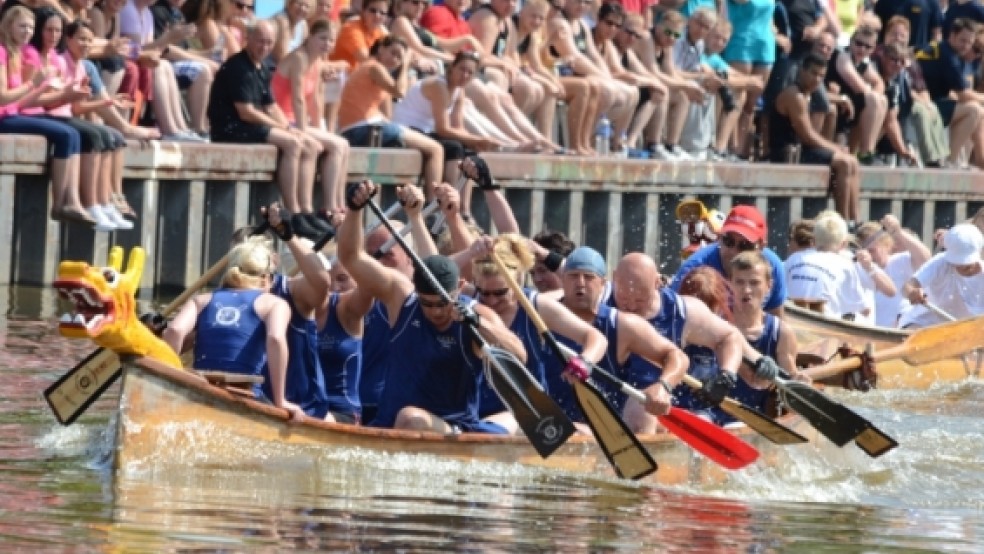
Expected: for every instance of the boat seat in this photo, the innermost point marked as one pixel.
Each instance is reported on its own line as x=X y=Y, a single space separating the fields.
x=812 y=304
x=229 y=380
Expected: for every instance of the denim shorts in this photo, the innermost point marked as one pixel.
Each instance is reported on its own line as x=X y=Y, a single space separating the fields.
x=390 y=135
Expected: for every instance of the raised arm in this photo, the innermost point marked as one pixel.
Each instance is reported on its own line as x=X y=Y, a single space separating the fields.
x=477 y=169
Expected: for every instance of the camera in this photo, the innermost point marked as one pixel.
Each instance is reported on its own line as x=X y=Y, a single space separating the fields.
x=727 y=95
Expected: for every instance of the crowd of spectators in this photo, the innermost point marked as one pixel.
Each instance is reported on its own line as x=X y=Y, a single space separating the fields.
x=716 y=80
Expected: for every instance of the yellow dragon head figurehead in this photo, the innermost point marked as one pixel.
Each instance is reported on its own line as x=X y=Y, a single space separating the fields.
x=105 y=306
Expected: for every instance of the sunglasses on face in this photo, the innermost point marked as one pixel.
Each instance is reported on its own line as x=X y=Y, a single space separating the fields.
x=864 y=45
x=244 y=6
x=741 y=245
x=492 y=292
x=424 y=303
x=376 y=11
x=672 y=33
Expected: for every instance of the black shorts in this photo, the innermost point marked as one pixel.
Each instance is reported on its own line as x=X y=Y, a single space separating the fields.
x=241 y=133
x=645 y=93
x=810 y=155
x=453 y=149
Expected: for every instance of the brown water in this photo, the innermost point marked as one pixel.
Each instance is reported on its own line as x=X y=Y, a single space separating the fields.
x=57 y=492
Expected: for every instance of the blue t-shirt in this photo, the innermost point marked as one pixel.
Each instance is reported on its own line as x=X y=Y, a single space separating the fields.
x=710 y=255
x=690 y=6
x=923 y=16
x=943 y=70
x=972 y=10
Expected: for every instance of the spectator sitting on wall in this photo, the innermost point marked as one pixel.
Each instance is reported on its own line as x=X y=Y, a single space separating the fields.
x=789 y=124
x=290 y=27
x=737 y=87
x=854 y=75
x=625 y=65
x=358 y=35
x=698 y=128
x=243 y=111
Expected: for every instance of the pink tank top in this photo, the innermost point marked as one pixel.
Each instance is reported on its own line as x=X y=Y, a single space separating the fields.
x=32 y=58
x=13 y=81
x=280 y=87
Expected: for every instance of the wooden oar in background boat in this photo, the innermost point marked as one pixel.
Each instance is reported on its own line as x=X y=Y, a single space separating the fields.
x=923 y=346
x=627 y=455
x=754 y=419
x=545 y=424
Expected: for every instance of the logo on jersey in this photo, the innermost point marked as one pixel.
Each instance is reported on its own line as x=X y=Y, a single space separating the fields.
x=447 y=342
x=228 y=316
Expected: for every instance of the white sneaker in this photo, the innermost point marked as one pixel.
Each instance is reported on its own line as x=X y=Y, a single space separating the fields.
x=116 y=217
x=103 y=222
x=661 y=153
x=680 y=153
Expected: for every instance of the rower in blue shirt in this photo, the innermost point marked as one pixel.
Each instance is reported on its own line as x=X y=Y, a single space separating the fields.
x=433 y=376
x=628 y=335
x=239 y=327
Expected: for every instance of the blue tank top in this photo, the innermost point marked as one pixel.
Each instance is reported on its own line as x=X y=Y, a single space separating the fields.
x=375 y=354
x=536 y=354
x=768 y=345
x=668 y=322
x=341 y=359
x=560 y=390
x=305 y=384
x=433 y=370
x=230 y=336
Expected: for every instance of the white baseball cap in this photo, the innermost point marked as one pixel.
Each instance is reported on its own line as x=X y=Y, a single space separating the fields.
x=963 y=244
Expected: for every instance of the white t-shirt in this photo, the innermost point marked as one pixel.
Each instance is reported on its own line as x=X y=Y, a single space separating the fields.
x=868 y=291
x=959 y=296
x=826 y=276
x=887 y=308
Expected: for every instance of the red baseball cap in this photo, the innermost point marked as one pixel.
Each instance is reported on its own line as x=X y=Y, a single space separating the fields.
x=747 y=221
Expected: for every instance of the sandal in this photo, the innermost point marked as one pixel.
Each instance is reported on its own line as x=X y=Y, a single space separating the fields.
x=123 y=206
x=75 y=214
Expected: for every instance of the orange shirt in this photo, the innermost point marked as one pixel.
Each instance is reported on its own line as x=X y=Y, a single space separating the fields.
x=352 y=38
x=360 y=99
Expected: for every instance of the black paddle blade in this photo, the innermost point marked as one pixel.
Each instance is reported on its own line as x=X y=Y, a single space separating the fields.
x=545 y=424
x=875 y=442
x=74 y=392
x=761 y=423
x=630 y=459
x=834 y=420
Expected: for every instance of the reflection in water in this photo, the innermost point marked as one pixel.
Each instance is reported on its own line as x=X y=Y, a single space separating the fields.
x=58 y=492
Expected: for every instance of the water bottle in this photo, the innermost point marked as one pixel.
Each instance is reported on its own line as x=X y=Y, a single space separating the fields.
x=603 y=136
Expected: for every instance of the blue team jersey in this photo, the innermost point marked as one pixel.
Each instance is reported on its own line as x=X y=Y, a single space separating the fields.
x=230 y=336
x=669 y=322
x=536 y=352
x=768 y=345
x=375 y=357
x=606 y=321
x=943 y=70
x=305 y=384
x=710 y=255
x=341 y=360
x=434 y=370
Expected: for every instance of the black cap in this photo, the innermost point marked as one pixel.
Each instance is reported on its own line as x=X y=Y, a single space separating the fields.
x=444 y=270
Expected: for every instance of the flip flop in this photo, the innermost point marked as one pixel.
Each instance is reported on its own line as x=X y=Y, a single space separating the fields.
x=77 y=215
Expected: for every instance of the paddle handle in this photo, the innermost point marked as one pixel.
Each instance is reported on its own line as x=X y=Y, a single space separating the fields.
x=939 y=311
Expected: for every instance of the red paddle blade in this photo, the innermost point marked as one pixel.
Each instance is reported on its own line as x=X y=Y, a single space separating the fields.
x=710 y=440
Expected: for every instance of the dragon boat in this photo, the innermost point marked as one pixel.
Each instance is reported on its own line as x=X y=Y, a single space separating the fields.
x=170 y=414
x=819 y=338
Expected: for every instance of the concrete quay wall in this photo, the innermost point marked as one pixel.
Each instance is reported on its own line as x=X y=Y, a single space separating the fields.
x=190 y=198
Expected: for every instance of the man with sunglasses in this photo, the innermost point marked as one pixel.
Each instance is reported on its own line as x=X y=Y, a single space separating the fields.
x=433 y=375
x=654 y=96
x=853 y=74
x=744 y=229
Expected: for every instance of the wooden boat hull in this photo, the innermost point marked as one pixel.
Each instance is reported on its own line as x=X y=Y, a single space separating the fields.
x=821 y=336
x=171 y=415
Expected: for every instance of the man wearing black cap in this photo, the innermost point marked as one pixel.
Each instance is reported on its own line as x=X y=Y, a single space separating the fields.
x=434 y=370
